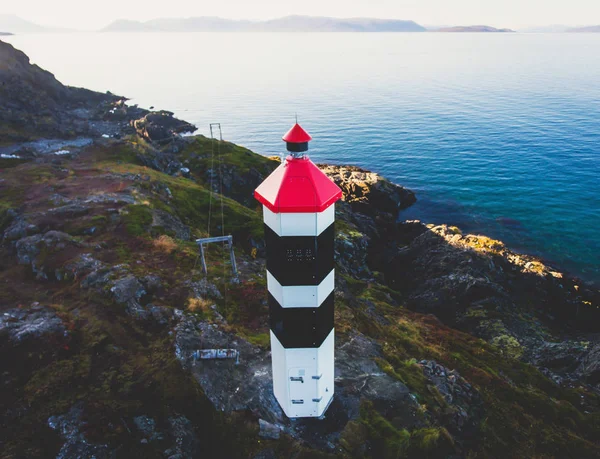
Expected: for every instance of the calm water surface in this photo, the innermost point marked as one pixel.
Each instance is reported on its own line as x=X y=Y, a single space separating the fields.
x=499 y=134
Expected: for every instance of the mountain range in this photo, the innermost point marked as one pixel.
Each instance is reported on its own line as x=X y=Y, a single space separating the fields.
x=12 y=24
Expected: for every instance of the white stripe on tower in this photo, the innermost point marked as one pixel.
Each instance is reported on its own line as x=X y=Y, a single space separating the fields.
x=301 y=296
x=299 y=224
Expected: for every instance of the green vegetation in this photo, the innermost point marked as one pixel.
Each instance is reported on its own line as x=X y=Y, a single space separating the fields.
x=388 y=441
x=122 y=367
x=137 y=219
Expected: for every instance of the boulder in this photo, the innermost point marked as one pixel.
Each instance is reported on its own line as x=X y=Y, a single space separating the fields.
x=78 y=268
x=37 y=323
x=127 y=289
x=19 y=228
x=161 y=126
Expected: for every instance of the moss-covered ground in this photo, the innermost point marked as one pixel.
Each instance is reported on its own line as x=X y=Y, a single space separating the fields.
x=121 y=367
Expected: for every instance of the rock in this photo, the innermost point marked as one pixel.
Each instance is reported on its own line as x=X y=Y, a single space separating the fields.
x=100 y=277
x=229 y=386
x=350 y=250
x=127 y=289
x=358 y=377
x=560 y=357
x=161 y=126
x=80 y=267
x=268 y=430
x=110 y=198
x=29 y=248
x=35 y=323
x=147 y=427
x=170 y=224
x=76 y=446
x=151 y=282
x=161 y=314
x=70 y=211
x=186 y=443
x=464 y=399
x=590 y=366
x=205 y=289
x=19 y=228
x=368 y=192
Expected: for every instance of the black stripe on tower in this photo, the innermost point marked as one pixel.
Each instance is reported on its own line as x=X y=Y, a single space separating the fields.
x=300 y=260
x=301 y=327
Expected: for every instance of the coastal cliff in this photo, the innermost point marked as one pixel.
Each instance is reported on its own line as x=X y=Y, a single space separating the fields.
x=447 y=344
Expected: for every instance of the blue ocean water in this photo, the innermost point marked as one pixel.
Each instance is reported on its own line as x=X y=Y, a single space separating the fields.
x=497 y=133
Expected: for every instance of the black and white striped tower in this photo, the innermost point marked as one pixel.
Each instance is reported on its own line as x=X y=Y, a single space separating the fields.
x=299 y=212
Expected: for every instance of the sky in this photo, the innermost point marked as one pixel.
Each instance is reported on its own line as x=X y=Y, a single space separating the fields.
x=88 y=14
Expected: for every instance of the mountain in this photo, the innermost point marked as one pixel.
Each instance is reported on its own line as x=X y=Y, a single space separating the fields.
x=285 y=24
x=325 y=24
x=477 y=29
x=125 y=25
x=588 y=29
x=554 y=28
x=14 y=24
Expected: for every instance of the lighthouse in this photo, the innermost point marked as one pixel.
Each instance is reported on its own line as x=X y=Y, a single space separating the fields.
x=299 y=212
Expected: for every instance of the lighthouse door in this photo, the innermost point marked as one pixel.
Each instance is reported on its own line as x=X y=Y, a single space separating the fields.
x=303 y=390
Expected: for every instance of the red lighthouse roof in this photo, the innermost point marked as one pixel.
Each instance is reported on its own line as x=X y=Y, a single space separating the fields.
x=297 y=185
x=297 y=135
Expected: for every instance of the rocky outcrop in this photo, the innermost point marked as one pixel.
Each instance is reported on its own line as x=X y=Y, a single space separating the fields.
x=367 y=192
x=161 y=127
x=246 y=384
x=35 y=104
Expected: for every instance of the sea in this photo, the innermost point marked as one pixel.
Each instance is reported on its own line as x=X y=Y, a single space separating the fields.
x=498 y=134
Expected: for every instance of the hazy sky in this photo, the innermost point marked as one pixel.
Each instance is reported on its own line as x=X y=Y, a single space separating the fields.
x=89 y=14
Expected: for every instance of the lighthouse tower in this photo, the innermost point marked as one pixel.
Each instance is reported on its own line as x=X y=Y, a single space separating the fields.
x=298 y=207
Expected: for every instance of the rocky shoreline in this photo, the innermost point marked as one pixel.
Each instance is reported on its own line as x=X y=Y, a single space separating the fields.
x=448 y=344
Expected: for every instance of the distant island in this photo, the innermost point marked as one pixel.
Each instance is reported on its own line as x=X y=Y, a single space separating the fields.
x=5 y=34
x=476 y=29
x=285 y=24
x=12 y=24
x=589 y=29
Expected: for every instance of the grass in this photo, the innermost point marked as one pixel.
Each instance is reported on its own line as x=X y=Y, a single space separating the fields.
x=137 y=219
x=165 y=244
